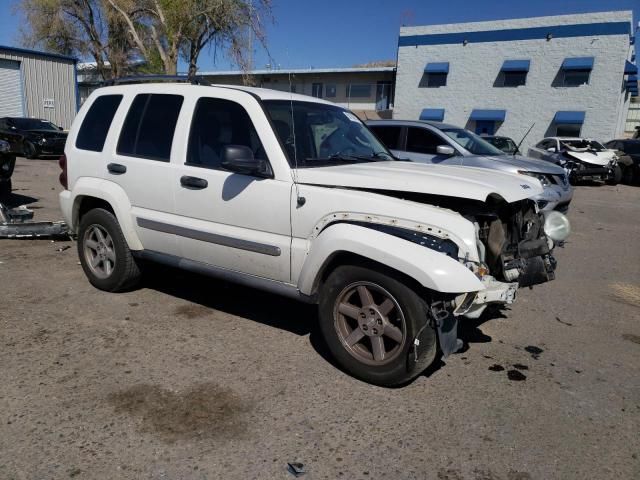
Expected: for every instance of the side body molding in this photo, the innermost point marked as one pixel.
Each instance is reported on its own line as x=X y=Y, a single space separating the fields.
x=113 y=194
x=431 y=269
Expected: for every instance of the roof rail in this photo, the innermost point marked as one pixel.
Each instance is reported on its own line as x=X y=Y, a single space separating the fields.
x=195 y=80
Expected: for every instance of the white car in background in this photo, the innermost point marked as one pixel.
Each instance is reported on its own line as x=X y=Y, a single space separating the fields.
x=582 y=158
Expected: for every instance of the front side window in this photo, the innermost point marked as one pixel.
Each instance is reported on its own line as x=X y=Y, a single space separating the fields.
x=149 y=127
x=216 y=124
x=471 y=142
x=575 y=78
x=435 y=80
x=97 y=122
x=421 y=140
x=316 y=135
x=515 y=79
x=390 y=136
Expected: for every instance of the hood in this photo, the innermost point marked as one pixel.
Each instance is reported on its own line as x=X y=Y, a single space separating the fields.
x=527 y=164
x=601 y=159
x=450 y=181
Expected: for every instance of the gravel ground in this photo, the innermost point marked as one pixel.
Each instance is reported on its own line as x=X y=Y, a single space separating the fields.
x=189 y=378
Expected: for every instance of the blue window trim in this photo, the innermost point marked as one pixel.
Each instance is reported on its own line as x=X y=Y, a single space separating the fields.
x=432 y=114
x=488 y=115
x=437 y=67
x=516 y=66
x=565 y=117
x=578 y=63
x=513 y=34
x=630 y=68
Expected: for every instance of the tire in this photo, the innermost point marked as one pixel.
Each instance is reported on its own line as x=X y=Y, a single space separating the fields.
x=398 y=316
x=615 y=177
x=7 y=165
x=29 y=150
x=5 y=187
x=100 y=239
x=627 y=175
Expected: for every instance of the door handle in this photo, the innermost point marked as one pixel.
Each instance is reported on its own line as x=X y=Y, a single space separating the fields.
x=116 y=168
x=193 y=183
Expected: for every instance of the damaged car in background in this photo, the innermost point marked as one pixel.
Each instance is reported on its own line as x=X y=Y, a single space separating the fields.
x=582 y=158
x=294 y=195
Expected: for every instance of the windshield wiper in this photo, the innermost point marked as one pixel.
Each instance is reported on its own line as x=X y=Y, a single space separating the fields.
x=352 y=158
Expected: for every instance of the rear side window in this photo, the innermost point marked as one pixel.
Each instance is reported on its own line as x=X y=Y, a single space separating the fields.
x=94 y=128
x=390 y=136
x=149 y=127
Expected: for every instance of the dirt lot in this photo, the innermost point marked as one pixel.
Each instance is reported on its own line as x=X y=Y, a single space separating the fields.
x=189 y=378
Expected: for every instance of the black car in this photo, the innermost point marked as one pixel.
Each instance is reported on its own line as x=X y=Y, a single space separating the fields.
x=7 y=163
x=629 y=148
x=32 y=137
x=505 y=144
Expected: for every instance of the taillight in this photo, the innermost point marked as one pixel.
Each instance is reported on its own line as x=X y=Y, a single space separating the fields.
x=62 y=161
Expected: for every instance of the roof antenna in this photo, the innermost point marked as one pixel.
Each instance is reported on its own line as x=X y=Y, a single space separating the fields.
x=525 y=136
x=300 y=201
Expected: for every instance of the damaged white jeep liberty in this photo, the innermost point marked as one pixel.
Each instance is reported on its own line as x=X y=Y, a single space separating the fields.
x=294 y=195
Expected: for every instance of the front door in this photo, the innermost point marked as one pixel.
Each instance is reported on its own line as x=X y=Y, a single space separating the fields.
x=229 y=220
x=485 y=127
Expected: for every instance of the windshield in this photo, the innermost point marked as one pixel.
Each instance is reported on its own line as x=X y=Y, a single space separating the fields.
x=323 y=134
x=582 y=145
x=33 y=124
x=505 y=144
x=471 y=142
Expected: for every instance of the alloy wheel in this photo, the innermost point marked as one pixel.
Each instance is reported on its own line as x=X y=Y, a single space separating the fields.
x=99 y=251
x=370 y=323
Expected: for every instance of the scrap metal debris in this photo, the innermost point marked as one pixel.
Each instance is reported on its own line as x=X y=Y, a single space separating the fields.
x=296 y=469
x=17 y=223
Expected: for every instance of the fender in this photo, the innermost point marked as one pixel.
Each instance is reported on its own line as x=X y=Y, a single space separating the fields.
x=113 y=194
x=431 y=269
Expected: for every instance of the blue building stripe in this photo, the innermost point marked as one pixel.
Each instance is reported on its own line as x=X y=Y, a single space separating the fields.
x=512 y=34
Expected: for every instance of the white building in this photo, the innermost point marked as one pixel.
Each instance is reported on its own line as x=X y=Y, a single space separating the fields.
x=568 y=74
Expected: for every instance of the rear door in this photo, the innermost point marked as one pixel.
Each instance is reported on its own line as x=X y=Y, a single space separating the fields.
x=229 y=220
x=422 y=146
x=141 y=166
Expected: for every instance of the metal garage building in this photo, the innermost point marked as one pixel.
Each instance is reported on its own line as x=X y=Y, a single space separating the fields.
x=38 y=85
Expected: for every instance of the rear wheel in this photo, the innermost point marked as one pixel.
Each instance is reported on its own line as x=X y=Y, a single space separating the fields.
x=104 y=254
x=370 y=319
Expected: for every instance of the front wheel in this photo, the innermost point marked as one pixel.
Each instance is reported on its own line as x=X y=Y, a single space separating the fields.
x=627 y=175
x=615 y=176
x=104 y=254
x=29 y=150
x=370 y=320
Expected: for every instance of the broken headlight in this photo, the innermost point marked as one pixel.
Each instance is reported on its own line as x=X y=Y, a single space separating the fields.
x=540 y=176
x=443 y=245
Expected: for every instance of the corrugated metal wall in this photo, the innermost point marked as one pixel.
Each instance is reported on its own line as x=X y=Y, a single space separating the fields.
x=49 y=86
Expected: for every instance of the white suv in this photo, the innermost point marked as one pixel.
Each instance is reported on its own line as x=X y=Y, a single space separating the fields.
x=295 y=195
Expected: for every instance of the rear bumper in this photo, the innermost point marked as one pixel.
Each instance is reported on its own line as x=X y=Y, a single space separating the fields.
x=66 y=206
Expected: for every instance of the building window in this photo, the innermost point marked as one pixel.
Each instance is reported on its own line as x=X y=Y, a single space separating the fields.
x=316 y=90
x=575 y=78
x=568 y=130
x=359 y=91
x=330 y=91
x=435 y=80
x=514 y=79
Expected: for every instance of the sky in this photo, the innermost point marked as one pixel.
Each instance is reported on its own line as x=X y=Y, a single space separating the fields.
x=343 y=33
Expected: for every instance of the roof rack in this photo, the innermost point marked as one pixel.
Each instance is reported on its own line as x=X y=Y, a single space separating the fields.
x=195 y=80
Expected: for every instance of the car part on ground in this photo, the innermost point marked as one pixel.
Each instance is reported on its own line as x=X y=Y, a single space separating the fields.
x=582 y=158
x=442 y=144
x=294 y=195
x=17 y=223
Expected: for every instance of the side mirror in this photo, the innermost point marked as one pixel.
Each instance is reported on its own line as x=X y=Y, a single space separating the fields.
x=240 y=159
x=551 y=149
x=445 y=150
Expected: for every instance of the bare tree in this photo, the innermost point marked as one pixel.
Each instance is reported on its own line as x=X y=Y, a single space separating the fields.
x=173 y=29
x=82 y=28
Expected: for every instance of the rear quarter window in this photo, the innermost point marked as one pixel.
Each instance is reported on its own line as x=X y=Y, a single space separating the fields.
x=96 y=123
x=149 y=127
